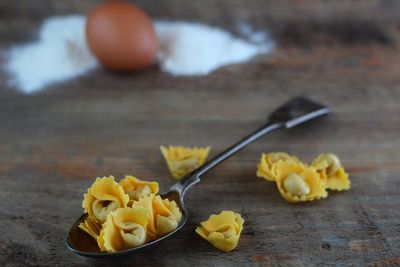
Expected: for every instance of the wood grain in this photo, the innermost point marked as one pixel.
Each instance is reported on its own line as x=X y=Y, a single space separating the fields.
x=342 y=53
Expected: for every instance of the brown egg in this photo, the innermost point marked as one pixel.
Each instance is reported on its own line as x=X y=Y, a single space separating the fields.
x=121 y=36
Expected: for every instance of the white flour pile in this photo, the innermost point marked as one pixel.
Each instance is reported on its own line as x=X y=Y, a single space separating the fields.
x=59 y=54
x=185 y=49
x=196 y=49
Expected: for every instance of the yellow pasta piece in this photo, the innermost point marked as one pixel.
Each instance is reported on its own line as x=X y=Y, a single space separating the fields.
x=104 y=196
x=100 y=240
x=168 y=215
x=222 y=230
x=124 y=228
x=297 y=182
x=332 y=172
x=164 y=215
x=137 y=188
x=147 y=203
x=266 y=166
x=91 y=227
x=183 y=160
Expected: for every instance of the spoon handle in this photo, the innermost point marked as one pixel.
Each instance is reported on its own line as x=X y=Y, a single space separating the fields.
x=194 y=177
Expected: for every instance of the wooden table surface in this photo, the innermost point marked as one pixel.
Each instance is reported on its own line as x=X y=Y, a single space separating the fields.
x=343 y=53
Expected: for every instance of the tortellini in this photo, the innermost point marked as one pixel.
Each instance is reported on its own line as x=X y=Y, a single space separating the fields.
x=222 y=230
x=183 y=160
x=137 y=188
x=124 y=228
x=127 y=214
x=104 y=196
x=164 y=215
x=266 y=167
x=298 y=182
x=332 y=172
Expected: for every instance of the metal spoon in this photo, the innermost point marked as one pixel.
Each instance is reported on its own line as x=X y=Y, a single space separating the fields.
x=291 y=114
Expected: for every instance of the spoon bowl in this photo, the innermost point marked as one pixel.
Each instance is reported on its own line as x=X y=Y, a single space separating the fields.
x=289 y=115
